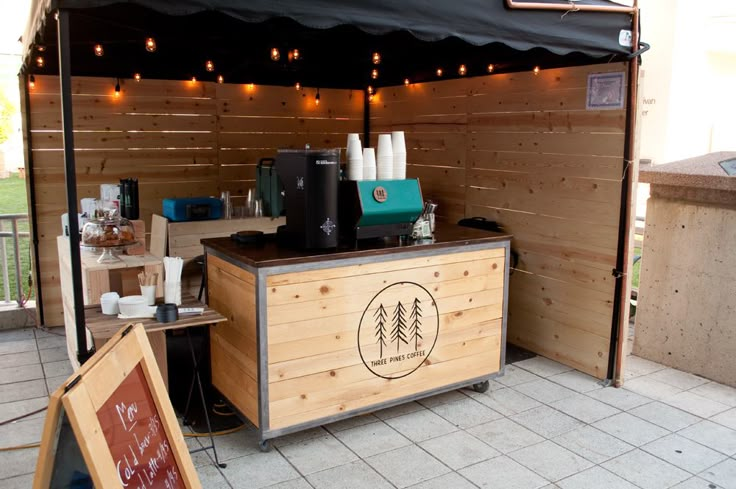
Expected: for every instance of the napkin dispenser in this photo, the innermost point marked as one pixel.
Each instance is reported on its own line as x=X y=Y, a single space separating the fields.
x=379 y=208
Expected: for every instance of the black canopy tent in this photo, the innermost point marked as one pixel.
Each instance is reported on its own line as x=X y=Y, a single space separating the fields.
x=335 y=40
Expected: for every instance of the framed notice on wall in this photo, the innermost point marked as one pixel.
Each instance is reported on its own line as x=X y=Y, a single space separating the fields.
x=606 y=91
x=112 y=425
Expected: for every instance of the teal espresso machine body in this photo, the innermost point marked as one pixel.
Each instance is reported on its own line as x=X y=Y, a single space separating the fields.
x=379 y=208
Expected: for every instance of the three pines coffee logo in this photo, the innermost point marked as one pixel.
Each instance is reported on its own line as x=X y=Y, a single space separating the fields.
x=398 y=330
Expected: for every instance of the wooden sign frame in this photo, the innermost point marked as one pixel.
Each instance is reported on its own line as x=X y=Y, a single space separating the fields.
x=82 y=396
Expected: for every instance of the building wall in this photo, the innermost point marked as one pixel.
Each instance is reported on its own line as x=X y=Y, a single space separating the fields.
x=180 y=139
x=523 y=150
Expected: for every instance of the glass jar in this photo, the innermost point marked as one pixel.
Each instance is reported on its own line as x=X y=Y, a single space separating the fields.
x=108 y=231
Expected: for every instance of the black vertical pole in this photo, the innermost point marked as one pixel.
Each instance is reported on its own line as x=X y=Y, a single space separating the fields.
x=67 y=124
x=366 y=119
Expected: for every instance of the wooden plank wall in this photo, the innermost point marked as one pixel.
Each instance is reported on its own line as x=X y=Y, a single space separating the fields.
x=181 y=139
x=523 y=150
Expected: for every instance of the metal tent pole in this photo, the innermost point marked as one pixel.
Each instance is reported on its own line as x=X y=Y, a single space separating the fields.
x=67 y=123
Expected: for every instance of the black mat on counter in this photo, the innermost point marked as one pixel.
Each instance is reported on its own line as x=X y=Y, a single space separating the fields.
x=180 y=376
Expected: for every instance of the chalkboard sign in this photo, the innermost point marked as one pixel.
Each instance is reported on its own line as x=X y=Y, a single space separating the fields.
x=137 y=441
x=112 y=425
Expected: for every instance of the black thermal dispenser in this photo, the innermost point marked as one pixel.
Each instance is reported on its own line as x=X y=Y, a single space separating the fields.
x=310 y=178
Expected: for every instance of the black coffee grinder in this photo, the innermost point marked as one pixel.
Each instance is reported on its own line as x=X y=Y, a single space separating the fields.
x=310 y=178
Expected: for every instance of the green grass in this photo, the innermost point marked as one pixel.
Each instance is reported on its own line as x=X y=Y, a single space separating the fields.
x=637 y=268
x=13 y=201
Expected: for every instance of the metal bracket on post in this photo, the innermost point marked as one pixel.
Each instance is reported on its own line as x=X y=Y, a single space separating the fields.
x=70 y=168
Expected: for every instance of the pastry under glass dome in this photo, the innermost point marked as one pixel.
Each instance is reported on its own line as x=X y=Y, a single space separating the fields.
x=109 y=235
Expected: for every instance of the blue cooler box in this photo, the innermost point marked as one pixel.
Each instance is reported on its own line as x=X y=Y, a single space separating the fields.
x=192 y=209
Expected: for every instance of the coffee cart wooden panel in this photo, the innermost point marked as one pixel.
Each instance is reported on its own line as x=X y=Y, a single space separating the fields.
x=314 y=338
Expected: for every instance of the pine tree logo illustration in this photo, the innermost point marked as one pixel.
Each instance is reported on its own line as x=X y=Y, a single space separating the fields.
x=380 y=317
x=396 y=334
x=415 y=328
x=398 y=331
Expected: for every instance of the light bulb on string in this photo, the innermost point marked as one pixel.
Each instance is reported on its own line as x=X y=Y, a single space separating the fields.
x=295 y=54
x=194 y=79
x=316 y=98
x=251 y=87
x=490 y=68
x=220 y=79
x=536 y=70
x=369 y=90
x=117 y=88
x=99 y=50
x=209 y=66
x=275 y=54
x=41 y=48
x=32 y=82
x=137 y=77
x=376 y=58
x=439 y=71
x=40 y=61
x=462 y=70
x=298 y=86
x=370 y=97
x=150 y=45
x=374 y=74
x=406 y=82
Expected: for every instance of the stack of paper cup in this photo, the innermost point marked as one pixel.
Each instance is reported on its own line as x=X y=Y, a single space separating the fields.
x=369 y=164
x=355 y=158
x=384 y=158
x=398 y=145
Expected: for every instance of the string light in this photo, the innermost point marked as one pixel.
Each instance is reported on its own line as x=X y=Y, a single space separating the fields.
x=295 y=54
x=251 y=87
x=490 y=68
x=194 y=79
x=32 y=82
x=40 y=61
x=374 y=74
x=298 y=86
x=316 y=98
x=376 y=58
x=370 y=97
x=150 y=45
x=462 y=70
x=99 y=50
x=220 y=79
x=137 y=77
x=439 y=71
x=275 y=54
x=370 y=90
x=536 y=70
x=41 y=48
x=209 y=66
x=117 y=88
x=406 y=82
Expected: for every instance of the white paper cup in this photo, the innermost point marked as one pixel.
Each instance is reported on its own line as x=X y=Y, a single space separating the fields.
x=149 y=293
x=399 y=165
x=353 y=149
x=384 y=146
x=109 y=303
x=398 y=143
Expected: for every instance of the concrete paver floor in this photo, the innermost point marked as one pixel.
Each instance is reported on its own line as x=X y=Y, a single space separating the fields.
x=543 y=425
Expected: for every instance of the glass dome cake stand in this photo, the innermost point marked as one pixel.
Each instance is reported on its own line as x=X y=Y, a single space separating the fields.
x=108 y=254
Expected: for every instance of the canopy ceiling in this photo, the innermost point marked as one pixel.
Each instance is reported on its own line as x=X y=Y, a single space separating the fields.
x=335 y=39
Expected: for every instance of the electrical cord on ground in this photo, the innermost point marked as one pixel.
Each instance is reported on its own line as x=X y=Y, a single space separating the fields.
x=8 y=421
x=20 y=447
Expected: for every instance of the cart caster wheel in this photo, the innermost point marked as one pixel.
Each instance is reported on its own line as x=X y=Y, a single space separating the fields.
x=264 y=445
x=481 y=386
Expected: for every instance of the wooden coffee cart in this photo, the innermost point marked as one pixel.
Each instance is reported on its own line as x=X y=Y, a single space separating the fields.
x=315 y=337
x=520 y=112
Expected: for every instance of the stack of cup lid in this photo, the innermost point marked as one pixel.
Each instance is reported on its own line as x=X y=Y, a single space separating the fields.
x=398 y=145
x=354 y=158
x=369 y=164
x=384 y=158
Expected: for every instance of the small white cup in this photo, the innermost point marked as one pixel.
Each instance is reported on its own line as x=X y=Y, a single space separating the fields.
x=109 y=303
x=398 y=143
x=384 y=147
x=149 y=293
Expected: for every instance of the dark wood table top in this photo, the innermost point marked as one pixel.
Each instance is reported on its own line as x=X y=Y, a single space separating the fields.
x=103 y=326
x=269 y=253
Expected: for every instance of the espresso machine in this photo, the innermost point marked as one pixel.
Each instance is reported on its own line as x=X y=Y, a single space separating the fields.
x=310 y=178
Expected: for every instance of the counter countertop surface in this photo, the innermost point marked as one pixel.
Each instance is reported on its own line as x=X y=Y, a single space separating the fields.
x=699 y=172
x=269 y=254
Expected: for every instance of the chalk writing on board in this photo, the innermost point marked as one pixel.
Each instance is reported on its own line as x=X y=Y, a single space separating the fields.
x=138 y=443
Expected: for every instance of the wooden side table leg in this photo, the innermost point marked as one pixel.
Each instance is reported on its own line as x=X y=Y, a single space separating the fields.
x=158 y=345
